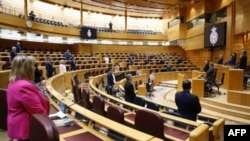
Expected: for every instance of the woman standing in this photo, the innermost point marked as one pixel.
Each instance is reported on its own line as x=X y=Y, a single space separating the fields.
x=24 y=98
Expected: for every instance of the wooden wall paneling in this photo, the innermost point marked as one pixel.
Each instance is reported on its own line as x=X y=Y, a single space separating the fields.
x=195 y=11
x=195 y=31
x=198 y=57
x=107 y=35
x=196 y=42
x=97 y=48
x=173 y=33
x=239 y=16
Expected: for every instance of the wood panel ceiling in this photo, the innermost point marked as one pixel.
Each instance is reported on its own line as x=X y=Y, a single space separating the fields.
x=135 y=8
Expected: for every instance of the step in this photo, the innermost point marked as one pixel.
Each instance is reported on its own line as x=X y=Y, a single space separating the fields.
x=232 y=114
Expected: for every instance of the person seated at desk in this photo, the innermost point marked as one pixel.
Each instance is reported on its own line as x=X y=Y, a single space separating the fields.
x=187 y=103
x=206 y=67
x=129 y=89
x=210 y=73
x=209 y=78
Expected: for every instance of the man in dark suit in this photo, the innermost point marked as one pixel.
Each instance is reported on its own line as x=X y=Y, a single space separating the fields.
x=49 y=67
x=129 y=89
x=243 y=60
x=67 y=55
x=13 y=53
x=111 y=81
x=220 y=60
x=243 y=65
x=210 y=73
x=188 y=104
x=73 y=64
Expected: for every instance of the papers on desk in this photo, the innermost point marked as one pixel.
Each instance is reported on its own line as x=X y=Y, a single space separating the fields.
x=59 y=114
x=64 y=122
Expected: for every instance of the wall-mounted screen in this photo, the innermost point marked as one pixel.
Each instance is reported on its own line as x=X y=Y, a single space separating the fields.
x=215 y=35
x=88 y=33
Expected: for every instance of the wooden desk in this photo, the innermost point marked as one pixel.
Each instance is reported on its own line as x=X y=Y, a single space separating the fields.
x=235 y=81
x=198 y=87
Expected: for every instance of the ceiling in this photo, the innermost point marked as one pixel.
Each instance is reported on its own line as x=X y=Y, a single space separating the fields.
x=135 y=8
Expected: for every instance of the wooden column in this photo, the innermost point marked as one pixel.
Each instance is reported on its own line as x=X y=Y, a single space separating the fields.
x=81 y=18
x=26 y=9
x=126 y=29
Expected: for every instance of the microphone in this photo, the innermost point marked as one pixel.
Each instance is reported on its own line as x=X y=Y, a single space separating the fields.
x=77 y=102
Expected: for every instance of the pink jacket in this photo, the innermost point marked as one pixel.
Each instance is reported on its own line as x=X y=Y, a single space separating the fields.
x=24 y=99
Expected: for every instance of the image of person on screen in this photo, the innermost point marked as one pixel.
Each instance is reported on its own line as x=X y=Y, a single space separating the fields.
x=188 y=104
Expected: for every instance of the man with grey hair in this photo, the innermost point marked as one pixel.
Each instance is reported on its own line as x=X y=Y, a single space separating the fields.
x=129 y=89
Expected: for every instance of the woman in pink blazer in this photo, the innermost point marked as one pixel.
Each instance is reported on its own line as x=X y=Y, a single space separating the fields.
x=24 y=98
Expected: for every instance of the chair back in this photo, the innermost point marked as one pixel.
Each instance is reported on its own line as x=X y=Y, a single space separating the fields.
x=139 y=101
x=3 y=109
x=214 y=76
x=85 y=97
x=42 y=129
x=152 y=106
x=115 y=114
x=222 y=78
x=98 y=105
x=150 y=122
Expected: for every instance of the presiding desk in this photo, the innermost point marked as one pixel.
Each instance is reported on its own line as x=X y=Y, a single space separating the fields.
x=142 y=91
x=198 y=87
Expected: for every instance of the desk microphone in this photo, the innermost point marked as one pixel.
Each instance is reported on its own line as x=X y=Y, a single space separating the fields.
x=77 y=102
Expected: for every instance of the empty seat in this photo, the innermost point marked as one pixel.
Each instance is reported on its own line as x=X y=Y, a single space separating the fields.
x=139 y=101
x=150 y=122
x=115 y=114
x=99 y=105
x=3 y=109
x=153 y=106
x=42 y=129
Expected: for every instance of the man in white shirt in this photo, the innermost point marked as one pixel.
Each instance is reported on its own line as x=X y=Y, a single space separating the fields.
x=151 y=79
x=106 y=59
x=62 y=67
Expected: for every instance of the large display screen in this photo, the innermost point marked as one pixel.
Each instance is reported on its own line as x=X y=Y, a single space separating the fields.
x=215 y=35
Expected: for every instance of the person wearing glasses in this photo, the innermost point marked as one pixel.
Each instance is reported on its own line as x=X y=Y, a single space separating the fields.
x=24 y=98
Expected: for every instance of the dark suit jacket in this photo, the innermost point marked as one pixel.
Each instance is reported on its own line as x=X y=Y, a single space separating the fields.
x=188 y=104
x=49 y=69
x=243 y=62
x=38 y=75
x=12 y=55
x=206 y=67
x=220 y=61
x=110 y=79
x=210 y=74
x=72 y=65
x=129 y=91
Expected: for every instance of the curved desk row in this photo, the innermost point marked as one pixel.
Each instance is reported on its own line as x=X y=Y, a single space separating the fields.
x=54 y=86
